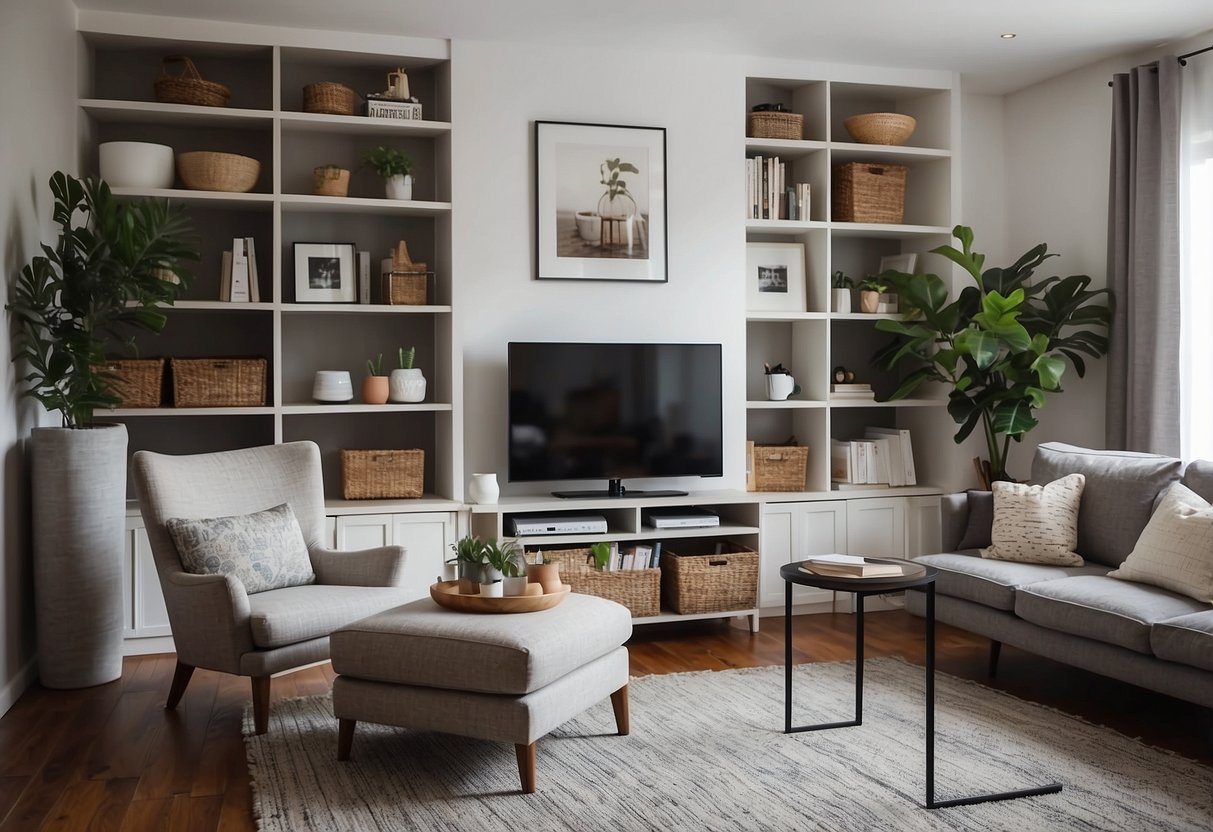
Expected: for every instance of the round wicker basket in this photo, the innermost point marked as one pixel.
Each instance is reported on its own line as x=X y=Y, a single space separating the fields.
x=188 y=87
x=206 y=170
x=329 y=97
x=880 y=128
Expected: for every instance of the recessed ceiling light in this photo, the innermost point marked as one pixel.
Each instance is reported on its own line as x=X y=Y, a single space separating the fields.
x=1007 y=35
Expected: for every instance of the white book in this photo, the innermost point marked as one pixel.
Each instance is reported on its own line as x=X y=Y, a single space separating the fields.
x=644 y=557
x=254 y=280
x=240 y=284
x=907 y=450
x=628 y=561
x=880 y=456
x=892 y=443
x=364 y=277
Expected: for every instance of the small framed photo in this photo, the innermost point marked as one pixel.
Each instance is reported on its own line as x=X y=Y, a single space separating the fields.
x=325 y=273
x=905 y=263
x=775 y=277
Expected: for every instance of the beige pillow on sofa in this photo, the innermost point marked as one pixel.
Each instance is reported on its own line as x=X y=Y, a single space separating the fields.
x=1175 y=550
x=1036 y=523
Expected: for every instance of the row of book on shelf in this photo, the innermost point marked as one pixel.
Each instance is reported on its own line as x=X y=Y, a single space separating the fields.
x=885 y=456
x=629 y=558
x=769 y=196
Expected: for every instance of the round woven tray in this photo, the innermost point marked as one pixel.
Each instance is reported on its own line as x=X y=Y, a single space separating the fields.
x=188 y=87
x=447 y=594
x=206 y=170
x=880 y=128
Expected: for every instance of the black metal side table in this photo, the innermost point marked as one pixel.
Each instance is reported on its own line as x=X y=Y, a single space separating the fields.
x=913 y=576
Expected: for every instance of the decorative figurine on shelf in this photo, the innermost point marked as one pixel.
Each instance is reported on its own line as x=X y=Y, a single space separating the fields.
x=780 y=383
x=395 y=102
x=843 y=376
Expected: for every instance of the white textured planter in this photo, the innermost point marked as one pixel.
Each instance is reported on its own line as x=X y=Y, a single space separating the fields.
x=513 y=587
x=406 y=385
x=136 y=164
x=399 y=187
x=483 y=488
x=842 y=300
x=79 y=511
x=492 y=590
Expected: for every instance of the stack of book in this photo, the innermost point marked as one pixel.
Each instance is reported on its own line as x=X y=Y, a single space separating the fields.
x=885 y=456
x=238 y=281
x=768 y=194
x=853 y=390
x=850 y=566
x=631 y=558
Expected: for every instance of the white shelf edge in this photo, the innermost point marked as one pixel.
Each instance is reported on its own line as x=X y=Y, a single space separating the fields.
x=217 y=198
x=766 y=497
x=293 y=121
x=857 y=149
x=798 y=404
x=784 y=226
x=212 y=306
x=867 y=229
x=540 y=541
x=318 y=409
x=898 y=403
x=128 y=412
x=107 y=109
x=769 y=315
x=359 y=309
x=361 y=205
x=697 y=616
x=548 y=504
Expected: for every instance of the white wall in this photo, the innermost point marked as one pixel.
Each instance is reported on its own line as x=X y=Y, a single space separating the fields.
x=38 y=136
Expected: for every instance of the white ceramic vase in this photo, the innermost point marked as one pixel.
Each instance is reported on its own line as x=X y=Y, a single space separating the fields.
x=399 y=187
x=842 y=300
x=492 y=590
x=483 y=488
x=514 y=586
x=406 y=385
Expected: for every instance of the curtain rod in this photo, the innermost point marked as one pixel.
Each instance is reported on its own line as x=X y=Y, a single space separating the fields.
x=1183 y=59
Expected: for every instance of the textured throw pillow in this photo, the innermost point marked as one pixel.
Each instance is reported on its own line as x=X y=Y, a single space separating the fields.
x=1036 y=523
x=264 y=550
x=981 y=520
x=1175 y=550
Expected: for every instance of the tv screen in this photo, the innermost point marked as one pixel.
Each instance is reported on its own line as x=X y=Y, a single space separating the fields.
x=613 y=411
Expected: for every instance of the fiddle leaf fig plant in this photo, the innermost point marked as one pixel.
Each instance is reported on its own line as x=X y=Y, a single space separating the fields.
x=609 y=172
x=1000 y=346
x=104 y=280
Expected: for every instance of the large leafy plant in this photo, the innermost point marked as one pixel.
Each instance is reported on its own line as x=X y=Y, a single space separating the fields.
x=103 y=281
x=1000 y=346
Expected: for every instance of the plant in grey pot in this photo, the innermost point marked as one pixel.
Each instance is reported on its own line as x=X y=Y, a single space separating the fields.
x=505 y=559
x=469 y=557
x=102 y=281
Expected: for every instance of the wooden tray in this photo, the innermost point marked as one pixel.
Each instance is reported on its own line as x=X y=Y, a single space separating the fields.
x=446 y=593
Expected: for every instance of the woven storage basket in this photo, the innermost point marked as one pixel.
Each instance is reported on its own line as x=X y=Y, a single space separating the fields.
x=866 y=192
x=780 y=467
x=136 y=381
x=382 y=475
x=188 y=87
x=407 y=289
x=776 y=125
x=699 y=581
x=207 y=170
x=637 y=589
x=330 y=181
x=329 y=97
x=880 y=128
x=218 y=382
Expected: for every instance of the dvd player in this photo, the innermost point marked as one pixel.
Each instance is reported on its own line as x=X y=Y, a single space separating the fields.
x=560 y=524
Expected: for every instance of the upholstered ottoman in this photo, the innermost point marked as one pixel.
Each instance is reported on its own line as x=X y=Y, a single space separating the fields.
x=510 y=678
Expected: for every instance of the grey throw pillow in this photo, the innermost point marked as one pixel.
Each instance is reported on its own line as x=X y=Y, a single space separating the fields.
x=264 y=550
x=981 y=520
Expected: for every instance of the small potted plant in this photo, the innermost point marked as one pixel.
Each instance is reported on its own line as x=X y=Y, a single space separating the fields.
x=330 y=180
x=544 y=572
x=601 y=551
x=395 y=167
x=841 y=284
x=870 y=290
x=375 y=385
x=505 y=562
x=469 y=561
x=407 y=383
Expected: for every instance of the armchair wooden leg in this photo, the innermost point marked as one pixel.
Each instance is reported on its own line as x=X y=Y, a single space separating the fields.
x=619 y=701
x=995 y=650
x=181 y=679
x=345 y=737
x=261 y=704
x=526 y=766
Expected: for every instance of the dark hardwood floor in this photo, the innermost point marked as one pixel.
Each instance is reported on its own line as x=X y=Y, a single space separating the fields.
x=111 y=757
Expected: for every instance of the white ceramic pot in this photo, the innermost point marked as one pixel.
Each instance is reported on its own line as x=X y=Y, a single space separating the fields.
x=589 y=226
x=842 y=300
x=493 y=590
x=332 y=386
x=399 y=187
x=483 y=488
x=406 y=385
x=136 y=164
x=514 y=586
x=779 y=386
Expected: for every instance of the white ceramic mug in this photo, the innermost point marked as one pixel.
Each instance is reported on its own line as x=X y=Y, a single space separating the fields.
x=779 y=386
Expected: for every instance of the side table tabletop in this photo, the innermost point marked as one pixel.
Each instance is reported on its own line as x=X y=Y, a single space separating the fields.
x=913 y=576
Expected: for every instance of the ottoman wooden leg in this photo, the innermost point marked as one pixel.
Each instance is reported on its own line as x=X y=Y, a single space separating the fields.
x=345 y=737
x=526 y=766
x=619 y=701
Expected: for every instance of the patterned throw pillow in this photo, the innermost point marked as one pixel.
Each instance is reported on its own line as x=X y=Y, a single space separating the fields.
x=1175 y=550
x=264 y=550
x=1036 y=523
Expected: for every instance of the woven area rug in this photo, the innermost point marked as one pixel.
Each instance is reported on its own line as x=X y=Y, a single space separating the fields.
x=706 y=752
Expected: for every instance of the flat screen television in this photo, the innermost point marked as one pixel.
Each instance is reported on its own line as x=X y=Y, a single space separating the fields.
x=614 y=411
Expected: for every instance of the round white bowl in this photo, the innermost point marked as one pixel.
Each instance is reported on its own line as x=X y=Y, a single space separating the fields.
x=137 y=165
x=332 y=386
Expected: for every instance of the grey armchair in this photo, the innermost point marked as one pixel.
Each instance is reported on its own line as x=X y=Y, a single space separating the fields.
x=216 y=624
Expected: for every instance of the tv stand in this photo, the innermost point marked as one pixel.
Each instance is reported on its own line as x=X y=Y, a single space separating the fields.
x=615 y=489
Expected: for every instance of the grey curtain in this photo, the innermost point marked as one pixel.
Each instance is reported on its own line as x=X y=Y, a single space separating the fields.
x=1143 y=261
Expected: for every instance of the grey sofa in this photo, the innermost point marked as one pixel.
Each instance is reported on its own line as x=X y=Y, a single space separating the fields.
x=1134 y=632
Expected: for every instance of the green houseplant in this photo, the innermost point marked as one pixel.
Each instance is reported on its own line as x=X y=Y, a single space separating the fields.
x=1000 y=346
x=870 y=290
x=395 y=167
x=112 y=267
x=470 y=560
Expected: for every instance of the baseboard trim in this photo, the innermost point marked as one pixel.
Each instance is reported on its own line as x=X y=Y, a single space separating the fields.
x=19 y=684
x=148 y=646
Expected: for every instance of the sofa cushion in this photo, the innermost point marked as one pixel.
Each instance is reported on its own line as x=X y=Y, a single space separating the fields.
x=993 y=582
x=298 y=613
x=980 y=521
x=1119 y=494
x=1175 y=551
x=423 y=644
x=1198 y=476
x=1187 y=639
x=1101 y=608
x=1036 y=523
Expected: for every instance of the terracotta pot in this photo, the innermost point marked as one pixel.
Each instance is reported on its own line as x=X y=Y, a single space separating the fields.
x=546 y=575
x=869 y=301
x=375 y=389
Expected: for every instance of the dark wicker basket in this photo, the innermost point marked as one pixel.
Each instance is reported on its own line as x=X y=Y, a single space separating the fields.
x=188 y=87
x=383 y=475
x=136 y=381
x=218 y=382
x=711 y=581
x=637 y=589
x=869 y=192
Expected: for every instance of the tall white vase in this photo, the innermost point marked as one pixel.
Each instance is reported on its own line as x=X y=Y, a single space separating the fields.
x=79 y=509
x=483 y=488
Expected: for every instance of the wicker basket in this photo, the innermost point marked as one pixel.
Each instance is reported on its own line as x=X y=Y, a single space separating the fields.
x=773 y=124
x=637 y=589
x=867 y=192
x=406 y=289
x=188 y=87
x=880 y=128
x=329 y=97
x=699 y=579
x=206 y=170
x=382 y=475
x=218 y=382
x=136 y=381
x=330 y=181
x=779 y=467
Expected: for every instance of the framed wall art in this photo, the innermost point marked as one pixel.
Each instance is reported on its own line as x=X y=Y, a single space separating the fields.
x=325 y=273
x=600 y=202
x=775 y=277
x=899 y=263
